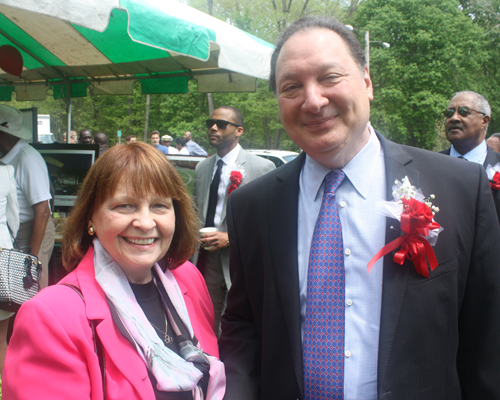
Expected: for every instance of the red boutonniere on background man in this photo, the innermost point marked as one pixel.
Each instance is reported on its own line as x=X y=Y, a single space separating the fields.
x=419 y=230
x=236 y=177
x=494 y=176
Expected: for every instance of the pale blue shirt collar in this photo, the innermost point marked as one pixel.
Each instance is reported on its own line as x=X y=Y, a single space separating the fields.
x=359 y=170
x=477 y=154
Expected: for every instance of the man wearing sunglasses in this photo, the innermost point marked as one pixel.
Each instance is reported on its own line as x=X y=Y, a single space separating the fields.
x=193 y=148
x=467 y=119
x=213 y=179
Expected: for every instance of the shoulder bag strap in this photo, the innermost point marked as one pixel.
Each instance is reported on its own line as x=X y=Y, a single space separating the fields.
x=98 y=348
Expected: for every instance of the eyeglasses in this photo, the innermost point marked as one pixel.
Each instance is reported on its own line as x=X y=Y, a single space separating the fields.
x=463 y=111
x=221 y=123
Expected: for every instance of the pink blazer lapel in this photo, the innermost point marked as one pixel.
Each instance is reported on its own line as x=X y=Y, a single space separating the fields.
x=121 y=357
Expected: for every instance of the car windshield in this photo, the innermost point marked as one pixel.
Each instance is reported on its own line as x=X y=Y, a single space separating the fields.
x=46 y=138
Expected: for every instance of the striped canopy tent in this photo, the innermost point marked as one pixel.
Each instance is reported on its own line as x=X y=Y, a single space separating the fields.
x=68 y=45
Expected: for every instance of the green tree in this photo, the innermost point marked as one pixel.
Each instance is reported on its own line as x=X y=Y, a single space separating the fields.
x=436 y=50
x=486 y=15
x=266 y=18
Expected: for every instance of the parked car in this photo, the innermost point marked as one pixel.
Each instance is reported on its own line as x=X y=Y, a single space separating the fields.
x=278 y=157
x=46 y=138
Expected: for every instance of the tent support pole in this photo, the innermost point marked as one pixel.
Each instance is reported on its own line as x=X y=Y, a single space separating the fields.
x=146 y=122
x=68 y=112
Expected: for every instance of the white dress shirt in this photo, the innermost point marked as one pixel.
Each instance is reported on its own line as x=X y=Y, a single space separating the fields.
x=229 y=164
x=477 y=154
x=363 y=231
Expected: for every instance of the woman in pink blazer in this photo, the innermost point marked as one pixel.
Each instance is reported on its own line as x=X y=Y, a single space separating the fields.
x=133 y=320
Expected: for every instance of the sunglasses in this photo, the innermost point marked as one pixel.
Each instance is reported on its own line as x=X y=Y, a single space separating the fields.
x=221 y=123
x=463 y=111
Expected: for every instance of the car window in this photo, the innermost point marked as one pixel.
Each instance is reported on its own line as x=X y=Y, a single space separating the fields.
x=277 y=161
x=290 y=157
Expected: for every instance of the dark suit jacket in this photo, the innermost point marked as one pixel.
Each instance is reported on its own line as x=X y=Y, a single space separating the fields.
x=492 y=157
x=422 y=320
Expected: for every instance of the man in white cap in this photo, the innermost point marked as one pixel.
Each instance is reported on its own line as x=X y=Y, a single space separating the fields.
x=166 y=140
x=33 y=188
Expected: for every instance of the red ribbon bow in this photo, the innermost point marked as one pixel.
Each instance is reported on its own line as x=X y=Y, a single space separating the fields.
x=495 y=182
x=416 y=221
x=236 y=177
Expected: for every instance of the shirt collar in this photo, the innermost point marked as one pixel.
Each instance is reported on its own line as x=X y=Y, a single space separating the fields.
x=477 y=154
x=359 y=170
x=229 y=158
x=7 y=158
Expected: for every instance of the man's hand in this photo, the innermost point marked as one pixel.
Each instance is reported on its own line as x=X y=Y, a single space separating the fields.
x=218 y=240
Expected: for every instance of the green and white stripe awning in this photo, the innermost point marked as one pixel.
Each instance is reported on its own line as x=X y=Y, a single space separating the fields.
x=113 y=43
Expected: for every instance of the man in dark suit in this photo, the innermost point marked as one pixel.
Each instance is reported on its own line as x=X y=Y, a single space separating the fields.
x=388 y=334
x=225 y=127
x=467 y=118
x=493 y=142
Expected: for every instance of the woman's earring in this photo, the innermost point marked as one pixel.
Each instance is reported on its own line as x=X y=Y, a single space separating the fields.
x=91 y=230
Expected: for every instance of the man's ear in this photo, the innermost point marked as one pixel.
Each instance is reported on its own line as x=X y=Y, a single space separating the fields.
x=486 y=120
x=239 y=131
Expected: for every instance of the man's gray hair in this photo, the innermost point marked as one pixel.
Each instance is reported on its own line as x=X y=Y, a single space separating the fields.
x=482 y=103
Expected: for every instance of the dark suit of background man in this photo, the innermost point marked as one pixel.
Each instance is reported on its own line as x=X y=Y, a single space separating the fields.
x=467 y=118
x=102 y=140
x=224 y=130
x=493 y=142
x=405 y=337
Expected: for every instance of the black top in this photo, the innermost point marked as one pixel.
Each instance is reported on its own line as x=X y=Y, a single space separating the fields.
x=151 y=303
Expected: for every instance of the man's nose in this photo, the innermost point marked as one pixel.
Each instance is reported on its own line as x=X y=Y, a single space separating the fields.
x=314 y=99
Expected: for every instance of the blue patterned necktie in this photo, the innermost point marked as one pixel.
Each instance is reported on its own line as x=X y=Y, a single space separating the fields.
x=323 y=344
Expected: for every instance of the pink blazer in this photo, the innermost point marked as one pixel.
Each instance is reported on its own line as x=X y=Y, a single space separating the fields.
x=51 y=353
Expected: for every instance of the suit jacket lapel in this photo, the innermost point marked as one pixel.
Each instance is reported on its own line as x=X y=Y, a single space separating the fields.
x=204 y=185
x=123 y=355
x=491 y=158
x=283 y=225
x=240 y=162
x=395 y=279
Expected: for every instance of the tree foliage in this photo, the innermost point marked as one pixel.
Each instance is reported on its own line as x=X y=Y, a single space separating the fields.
x=436 y=50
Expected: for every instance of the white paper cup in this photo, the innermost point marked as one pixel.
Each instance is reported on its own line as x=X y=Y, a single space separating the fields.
x=204 y=231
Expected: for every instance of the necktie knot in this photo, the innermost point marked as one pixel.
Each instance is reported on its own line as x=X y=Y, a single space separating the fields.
x=333 y=180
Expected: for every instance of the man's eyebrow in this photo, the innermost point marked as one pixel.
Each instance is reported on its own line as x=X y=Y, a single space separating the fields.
x=320 y=68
